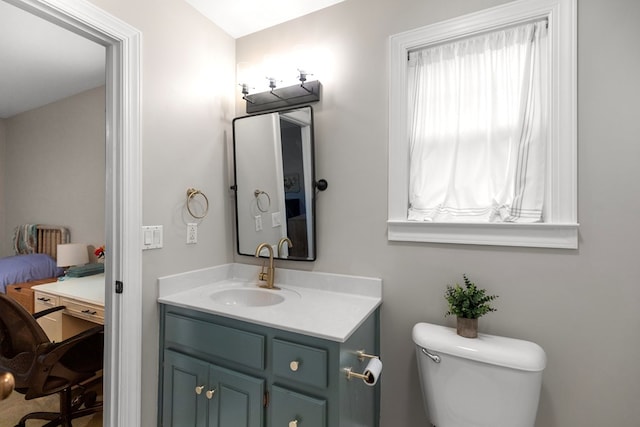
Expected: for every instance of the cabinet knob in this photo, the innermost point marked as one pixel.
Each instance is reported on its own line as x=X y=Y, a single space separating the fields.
x=293 y=423
x=199 y=389
x=294 y=365
x=210 y=393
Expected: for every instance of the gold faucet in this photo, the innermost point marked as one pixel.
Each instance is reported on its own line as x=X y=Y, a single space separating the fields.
x=281 y=242
x=268 y=276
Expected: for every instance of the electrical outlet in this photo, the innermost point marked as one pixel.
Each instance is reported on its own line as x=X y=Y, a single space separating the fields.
x=258 y=219
x=192 y=233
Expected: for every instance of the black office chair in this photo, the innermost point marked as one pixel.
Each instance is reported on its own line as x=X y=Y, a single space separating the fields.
x=40 y=367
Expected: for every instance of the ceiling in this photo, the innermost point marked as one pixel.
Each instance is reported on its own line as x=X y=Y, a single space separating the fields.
x=242 y=17
x=42 y=63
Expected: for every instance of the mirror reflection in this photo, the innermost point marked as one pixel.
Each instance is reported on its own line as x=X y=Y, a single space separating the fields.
x=274 y=183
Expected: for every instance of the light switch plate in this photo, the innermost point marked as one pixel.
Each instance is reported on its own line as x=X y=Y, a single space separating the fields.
x=151 y=237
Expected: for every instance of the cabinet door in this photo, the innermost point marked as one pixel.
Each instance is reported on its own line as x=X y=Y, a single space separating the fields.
x=237 y=401
x=185 y=382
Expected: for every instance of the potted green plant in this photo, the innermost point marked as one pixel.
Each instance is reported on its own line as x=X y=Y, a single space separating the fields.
x=468 y=303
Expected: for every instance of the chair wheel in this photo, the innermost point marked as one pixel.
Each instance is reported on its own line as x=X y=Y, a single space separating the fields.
x=90 y=398
x=77 y=401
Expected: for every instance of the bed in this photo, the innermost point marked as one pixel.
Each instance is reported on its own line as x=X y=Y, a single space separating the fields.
x=35 y=246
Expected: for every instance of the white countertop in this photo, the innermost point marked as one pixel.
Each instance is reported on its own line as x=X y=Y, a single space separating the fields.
x=88 y=289
x=323 y=305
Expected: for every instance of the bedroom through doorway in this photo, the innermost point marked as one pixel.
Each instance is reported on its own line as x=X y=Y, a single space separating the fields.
x=101 y=186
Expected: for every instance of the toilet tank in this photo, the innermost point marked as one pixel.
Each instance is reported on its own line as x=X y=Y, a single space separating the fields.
x=488 y=381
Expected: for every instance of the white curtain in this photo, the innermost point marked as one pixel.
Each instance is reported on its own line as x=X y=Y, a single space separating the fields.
x=478 y=128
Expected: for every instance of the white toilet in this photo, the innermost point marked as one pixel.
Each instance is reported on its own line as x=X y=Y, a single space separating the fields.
x=488 y=381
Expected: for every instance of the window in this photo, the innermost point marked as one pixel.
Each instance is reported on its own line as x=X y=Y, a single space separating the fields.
x=457 y=150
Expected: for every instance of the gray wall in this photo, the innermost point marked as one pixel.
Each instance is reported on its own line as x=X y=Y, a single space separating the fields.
x=54 y=168
x=188 y=86
x=3 y=235
x=579 y=305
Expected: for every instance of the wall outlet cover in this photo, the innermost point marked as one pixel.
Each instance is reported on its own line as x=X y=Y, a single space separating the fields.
x=192 y=233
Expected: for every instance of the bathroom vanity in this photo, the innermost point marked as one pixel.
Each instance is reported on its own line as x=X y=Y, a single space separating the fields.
x=236 y=355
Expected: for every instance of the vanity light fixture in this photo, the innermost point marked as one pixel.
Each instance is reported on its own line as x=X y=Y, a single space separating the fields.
x=245 y=92
x=302 y=76
x=272 y=83
x=276 y=98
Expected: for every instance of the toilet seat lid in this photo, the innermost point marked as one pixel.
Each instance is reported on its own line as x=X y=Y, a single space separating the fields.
x=494 y=350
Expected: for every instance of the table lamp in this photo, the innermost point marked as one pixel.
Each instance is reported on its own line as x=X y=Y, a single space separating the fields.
x=70 y=254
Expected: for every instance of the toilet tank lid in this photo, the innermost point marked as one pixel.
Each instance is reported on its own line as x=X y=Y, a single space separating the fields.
x=490 y=349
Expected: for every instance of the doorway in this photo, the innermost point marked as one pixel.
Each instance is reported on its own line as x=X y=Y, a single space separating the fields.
x=123 y=269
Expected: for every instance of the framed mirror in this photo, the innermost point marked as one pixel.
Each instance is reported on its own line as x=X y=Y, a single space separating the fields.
x=275 y=183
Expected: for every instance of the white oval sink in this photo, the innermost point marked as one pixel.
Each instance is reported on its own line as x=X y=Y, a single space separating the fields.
x=249 y=297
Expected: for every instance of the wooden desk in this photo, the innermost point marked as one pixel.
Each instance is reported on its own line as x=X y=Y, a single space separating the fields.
x=83 y=298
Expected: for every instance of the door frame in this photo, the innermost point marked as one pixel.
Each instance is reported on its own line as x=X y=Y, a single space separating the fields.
x=123 y=196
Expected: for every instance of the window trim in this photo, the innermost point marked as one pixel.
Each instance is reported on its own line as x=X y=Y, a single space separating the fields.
x=561 y=227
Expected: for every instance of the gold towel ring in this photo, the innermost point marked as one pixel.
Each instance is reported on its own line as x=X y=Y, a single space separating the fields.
x=257 y=194
x=191 y=193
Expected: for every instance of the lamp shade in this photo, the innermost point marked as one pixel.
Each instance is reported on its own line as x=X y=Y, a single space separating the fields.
x=72 y=254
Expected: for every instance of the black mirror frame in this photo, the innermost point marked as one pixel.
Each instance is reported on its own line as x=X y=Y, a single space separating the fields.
x=317 y=185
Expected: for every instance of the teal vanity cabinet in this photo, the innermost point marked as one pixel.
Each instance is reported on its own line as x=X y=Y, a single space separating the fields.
x=204 y=394
x=221 y=372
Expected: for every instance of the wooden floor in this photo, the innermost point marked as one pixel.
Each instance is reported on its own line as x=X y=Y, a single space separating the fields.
x=12 y=409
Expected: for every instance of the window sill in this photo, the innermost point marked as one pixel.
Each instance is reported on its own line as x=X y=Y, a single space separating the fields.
x=561 y=236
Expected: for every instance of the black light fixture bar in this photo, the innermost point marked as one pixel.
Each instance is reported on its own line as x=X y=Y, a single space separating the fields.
x=289 y=96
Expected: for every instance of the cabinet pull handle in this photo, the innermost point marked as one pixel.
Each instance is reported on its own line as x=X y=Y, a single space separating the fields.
x=210 y=393
x=293 y=423
x=93 y=313
x=43 y=299
x=294 y=365
x=199 y=389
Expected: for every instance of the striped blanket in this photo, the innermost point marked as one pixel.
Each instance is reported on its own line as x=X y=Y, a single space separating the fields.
x=25 y=239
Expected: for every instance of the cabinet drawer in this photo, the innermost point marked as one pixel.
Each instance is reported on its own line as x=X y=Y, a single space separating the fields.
x=301 y=363
x=242 y=347
x=52 y=322
x=23 y=295
x=289 y=408
x=90 y=312
x=43 y=301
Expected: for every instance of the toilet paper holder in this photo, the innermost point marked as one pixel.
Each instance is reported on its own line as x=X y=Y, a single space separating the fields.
x=351 y=374
x=362 y=355
x=366 y=376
